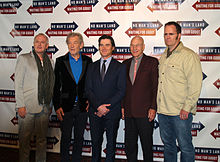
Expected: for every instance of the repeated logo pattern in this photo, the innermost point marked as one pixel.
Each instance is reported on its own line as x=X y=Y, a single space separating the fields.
x=121 y=19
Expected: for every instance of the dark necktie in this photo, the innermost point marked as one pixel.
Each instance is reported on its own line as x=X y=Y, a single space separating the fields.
x=103 y=70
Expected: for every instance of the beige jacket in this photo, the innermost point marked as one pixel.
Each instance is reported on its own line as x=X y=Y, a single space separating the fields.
x=26 y=83
x=180 y=81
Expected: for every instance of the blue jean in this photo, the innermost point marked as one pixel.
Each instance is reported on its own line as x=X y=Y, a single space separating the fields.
x=172 y=128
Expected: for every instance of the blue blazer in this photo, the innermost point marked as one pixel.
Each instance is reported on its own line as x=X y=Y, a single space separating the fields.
x=110 y=91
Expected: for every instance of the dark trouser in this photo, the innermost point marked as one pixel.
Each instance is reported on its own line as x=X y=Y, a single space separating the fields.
x=98 y=126
x=135 y=127
x=78 y=120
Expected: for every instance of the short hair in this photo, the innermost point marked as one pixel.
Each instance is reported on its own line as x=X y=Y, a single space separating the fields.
x=107 y=37
x=73 y=34
x=42 y=34
x=178 y=27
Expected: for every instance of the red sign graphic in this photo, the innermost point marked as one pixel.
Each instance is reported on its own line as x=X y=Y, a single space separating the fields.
x=12 y=77
x=8 y=10
x=201 y=108
x=216 y=133
x=48 y=9
x=143 y=32
x=217 y=83
x=163 y=6
x=218 y=31
x=7 y=99
x=194 y=133
x=209 y=57
x=97 y=32
x=87 y=127
x=206 y=6
x=213 y=158
x=81 y=8
x=191 y=32
x=121 y=57
x=120 y=152
x=21 y=33
x=50 y=32
x=14 y=120
x=8 y=55
x=158 y=154
x=54 y=124
x=87 y=149
x=119 y=7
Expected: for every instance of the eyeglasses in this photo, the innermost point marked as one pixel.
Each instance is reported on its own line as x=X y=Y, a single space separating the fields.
x=166 y=34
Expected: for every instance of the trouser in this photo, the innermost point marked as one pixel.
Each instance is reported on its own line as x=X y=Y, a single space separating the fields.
x=98 y=126
x=37 y=124
x=77 y=120
x=135 y=127
x=172 y=128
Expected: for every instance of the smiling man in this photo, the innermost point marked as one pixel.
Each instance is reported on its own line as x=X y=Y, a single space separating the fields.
x=70 y=102
x=105 y=88
x=139 y=105
x=180 y=82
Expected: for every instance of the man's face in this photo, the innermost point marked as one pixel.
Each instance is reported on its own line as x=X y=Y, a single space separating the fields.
x=74 y=45
x=137 y=46
x=106 y=48
x=171 y=37
x=40 y=44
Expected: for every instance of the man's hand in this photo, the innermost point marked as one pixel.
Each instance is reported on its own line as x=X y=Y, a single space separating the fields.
x=183 y=114
x=151 y=114
x=123 y=113
x=22 y=112
x=60 y=113
x=102 y=110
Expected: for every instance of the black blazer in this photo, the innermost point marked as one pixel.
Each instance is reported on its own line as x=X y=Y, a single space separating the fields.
x=110 y=91
x=66 y=89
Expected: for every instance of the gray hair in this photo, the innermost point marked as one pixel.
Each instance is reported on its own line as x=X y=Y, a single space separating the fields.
x=73 y=34
x=42 y=34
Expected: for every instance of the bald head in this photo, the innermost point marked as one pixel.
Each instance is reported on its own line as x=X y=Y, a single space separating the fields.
x=137 y=46
x=138 y=38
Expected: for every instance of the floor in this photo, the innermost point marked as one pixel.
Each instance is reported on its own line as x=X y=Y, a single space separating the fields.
x=11 y=155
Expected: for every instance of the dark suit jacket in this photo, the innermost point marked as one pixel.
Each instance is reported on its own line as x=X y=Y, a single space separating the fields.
x=110 y=91
x=142 y=94
x=66 y=89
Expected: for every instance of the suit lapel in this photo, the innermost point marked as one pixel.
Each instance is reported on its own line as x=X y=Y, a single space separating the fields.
x=99 y=70
x=139 y=68
x=33 y=64
x=67 y=64
x=110 y=69
x=84 y=62
x=128 y=69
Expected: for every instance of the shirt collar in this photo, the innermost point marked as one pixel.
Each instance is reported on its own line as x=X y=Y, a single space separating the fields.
x=73 y=59
x=170 y=52
x=108 y=60
x=138 y=59
x=174 y=48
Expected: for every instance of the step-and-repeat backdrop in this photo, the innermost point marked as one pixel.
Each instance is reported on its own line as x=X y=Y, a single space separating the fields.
x=122 y=19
